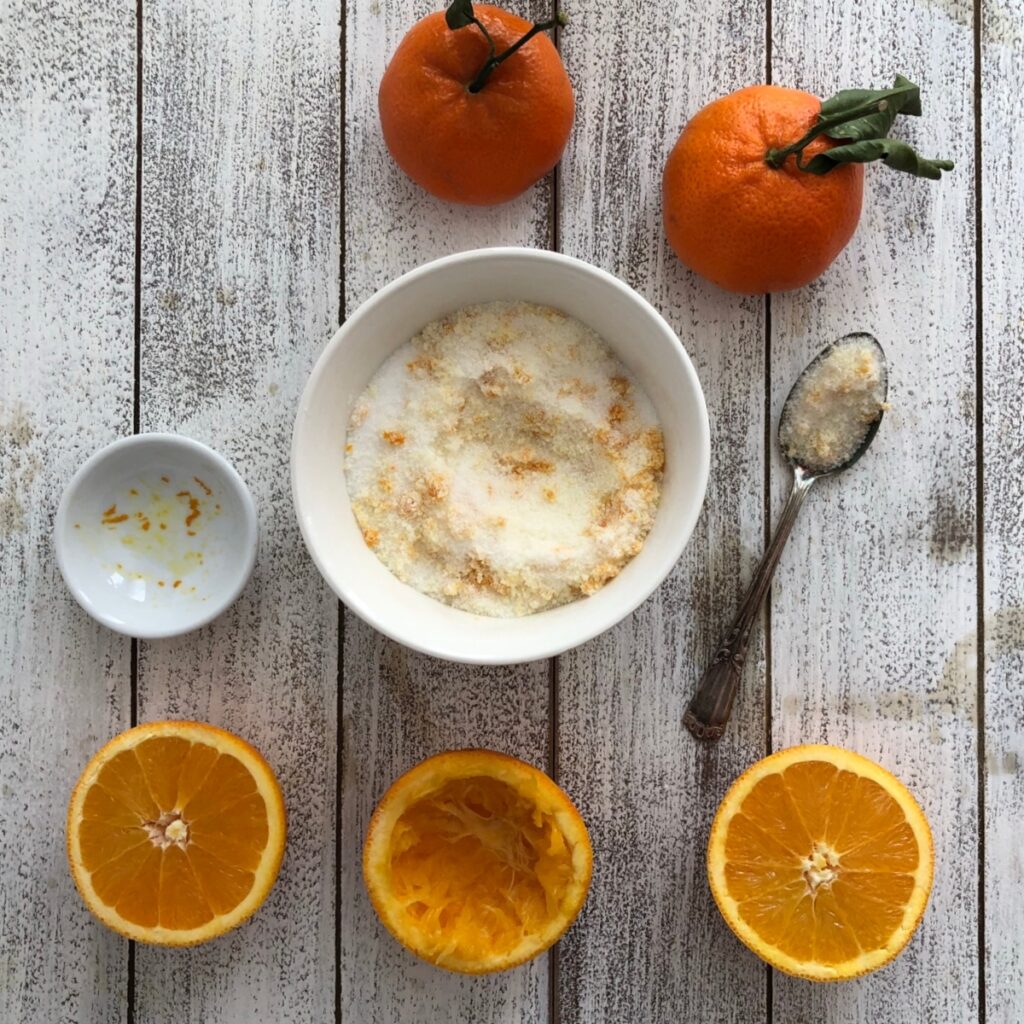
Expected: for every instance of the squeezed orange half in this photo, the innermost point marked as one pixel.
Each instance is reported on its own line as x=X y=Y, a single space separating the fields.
x=476 y=861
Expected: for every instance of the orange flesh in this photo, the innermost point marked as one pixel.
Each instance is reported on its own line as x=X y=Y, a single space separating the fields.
x=477 y=866
x=172 y=833
x=821 y=862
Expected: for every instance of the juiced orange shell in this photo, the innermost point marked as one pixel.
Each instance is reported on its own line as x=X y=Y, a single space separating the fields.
x=476 y=862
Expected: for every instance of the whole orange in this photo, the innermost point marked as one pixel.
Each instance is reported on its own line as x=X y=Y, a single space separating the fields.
x=475 y=147
x=741 y=223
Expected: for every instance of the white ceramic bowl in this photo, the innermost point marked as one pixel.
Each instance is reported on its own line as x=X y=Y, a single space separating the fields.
x=156 y=535
x=642 y=340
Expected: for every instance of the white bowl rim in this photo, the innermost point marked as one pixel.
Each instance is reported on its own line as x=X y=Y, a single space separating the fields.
x=249 y=521
x=596 y=625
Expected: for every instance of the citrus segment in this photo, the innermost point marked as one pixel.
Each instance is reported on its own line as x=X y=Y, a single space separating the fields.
x=175 y=832
x=821 y=862
x=476 y=861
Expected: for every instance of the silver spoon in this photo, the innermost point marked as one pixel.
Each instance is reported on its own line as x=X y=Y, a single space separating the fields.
x=709 y=710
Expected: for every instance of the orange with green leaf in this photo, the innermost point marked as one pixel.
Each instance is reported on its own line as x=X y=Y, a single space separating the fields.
x=763 y=189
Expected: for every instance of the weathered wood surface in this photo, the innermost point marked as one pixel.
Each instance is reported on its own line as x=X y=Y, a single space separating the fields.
x=67 y=186
x=879 y=584
x=399 y=707
x=264 y=220
x=240 y=286
x=1002 y=190
x=650 y=945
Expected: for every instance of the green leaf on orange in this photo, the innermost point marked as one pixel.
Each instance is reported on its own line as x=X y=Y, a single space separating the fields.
x=891 y=152
x=903 y=98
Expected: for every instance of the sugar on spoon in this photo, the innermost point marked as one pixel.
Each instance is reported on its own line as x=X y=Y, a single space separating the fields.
x=828 y=421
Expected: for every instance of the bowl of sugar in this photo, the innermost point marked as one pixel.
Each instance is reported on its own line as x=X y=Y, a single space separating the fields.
x=500 y=455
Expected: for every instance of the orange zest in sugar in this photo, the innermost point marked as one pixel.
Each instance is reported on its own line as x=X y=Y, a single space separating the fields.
x=193 y=507
x=112 y=518
x=178 y=511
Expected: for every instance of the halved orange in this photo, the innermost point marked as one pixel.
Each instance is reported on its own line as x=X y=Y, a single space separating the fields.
x=821 y=862
x=476 y=862
x=175 y=832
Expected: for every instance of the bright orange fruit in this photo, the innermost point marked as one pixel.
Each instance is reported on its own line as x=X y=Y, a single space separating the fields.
x=821 y=862
x=476 y=861
x=175 y=832
x=480 y=147
x=742 y=224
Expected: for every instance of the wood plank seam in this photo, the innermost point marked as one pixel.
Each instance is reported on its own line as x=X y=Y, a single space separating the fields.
x=136 y=410
x=979 y=494
x=650 y=946
x=865 y=645
x=339 y=753
x=66 y=149
x=240 y=213
x=554 y=241
x=400 y=706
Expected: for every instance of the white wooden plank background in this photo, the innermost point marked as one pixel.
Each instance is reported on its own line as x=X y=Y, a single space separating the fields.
x=650 y=944
x=263 y=220
x=67 y=186
x=1002 y=53
x=399 y=707
x=240 y=250
x=880 y=581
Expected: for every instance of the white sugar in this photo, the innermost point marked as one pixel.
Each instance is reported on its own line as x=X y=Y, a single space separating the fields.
x=504 y=461
x=834 y=406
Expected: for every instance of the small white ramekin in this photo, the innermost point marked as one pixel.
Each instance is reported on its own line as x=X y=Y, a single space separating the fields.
x=178 y=545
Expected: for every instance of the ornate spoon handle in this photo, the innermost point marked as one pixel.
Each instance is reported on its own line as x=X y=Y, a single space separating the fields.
x=711 y=705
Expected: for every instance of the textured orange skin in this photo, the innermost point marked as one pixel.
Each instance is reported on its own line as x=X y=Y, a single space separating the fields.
x=742 y=224
x=478 y=148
